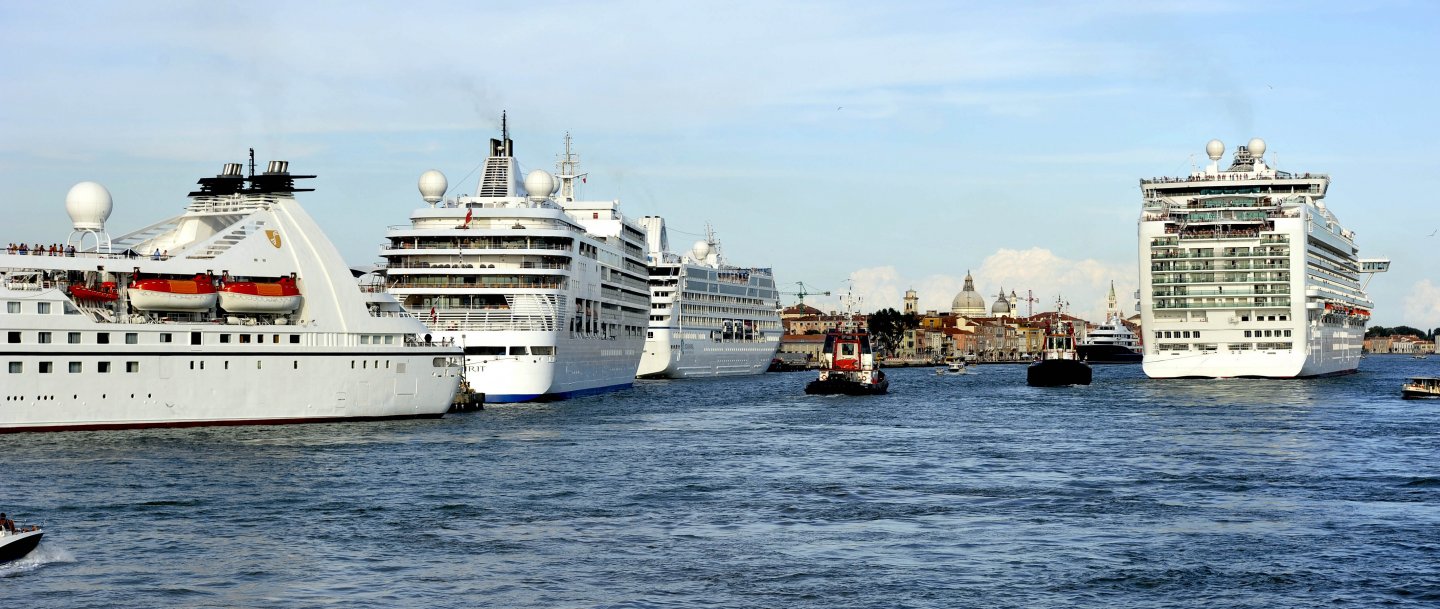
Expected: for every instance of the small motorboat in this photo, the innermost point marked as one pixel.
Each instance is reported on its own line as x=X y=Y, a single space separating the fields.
x=847 y=367
x=15 y=545
x=958 y=368
x=154 y=294
x=1059 y=364
x=1421 y=388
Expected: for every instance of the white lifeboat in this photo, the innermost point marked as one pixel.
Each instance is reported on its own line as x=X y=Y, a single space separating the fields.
x=196 y=294
x=260 y=297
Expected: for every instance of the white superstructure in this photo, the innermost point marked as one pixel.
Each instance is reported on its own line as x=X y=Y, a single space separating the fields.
x=130 y=332
x=707 y=318
x=1245 y=272
x=546 y=293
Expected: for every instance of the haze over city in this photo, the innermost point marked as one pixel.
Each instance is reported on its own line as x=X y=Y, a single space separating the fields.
x=850 y=146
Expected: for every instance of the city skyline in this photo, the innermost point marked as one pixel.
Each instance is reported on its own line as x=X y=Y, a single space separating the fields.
x=848 y=146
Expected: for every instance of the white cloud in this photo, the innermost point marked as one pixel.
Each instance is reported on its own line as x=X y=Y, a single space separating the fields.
x=1422 y=305
x=1038 y=271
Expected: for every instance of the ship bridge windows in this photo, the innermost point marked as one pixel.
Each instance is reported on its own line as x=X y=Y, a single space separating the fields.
x=42 y=308
x=519 y=351
x=485 y=350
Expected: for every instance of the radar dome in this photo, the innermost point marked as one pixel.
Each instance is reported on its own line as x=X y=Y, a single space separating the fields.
x=1216 y=149
x=89 y=206
x=700 y=250
x=1257 y=147
x=433 y=186
x=539 y=183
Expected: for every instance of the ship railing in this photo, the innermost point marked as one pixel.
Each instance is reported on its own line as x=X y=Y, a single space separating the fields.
x=466 y=265
x=474 y=247
x=491 y=320
x=546 y=285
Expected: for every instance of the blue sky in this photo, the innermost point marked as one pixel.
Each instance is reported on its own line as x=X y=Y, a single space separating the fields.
x=848 y=145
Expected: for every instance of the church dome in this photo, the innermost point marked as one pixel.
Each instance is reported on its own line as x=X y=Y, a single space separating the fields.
x=968 y=301
x=1001 y=306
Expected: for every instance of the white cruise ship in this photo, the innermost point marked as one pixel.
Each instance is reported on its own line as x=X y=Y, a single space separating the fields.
x=238 y=311
x=707 y=318
x=1246 y=273
x=546 y=293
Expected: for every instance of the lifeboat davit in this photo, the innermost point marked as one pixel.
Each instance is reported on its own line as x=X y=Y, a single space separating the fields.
x=105 y=293
x=256 y=297
x=196 y=294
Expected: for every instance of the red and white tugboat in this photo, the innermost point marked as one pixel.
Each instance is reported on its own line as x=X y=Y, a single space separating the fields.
x=848 y=367
x=1059 y=363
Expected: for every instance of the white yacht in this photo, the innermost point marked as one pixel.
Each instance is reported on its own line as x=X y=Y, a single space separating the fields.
x=1110 y=342
x=1245 y=272
x=707 y=318
x=238 y=311
x=545 y=292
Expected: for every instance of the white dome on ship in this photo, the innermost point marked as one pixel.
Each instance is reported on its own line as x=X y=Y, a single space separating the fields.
x=89 y=205
x=1216 y=149
x=1257 y=147
x=539 y=184
x=433 y=186
x=700 y=250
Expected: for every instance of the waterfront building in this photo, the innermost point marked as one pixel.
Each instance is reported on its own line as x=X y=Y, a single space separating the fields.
x=968 y=302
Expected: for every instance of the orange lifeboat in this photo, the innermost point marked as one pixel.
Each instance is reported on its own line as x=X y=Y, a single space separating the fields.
x=105 y=293
x=196 y=294
x=280 y=296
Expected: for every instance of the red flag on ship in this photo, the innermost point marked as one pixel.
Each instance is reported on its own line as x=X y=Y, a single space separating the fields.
x=432 y=315
x=468 y=214
x=582 y=180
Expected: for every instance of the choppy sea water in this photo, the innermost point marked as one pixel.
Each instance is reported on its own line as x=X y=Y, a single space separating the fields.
x=952 y=491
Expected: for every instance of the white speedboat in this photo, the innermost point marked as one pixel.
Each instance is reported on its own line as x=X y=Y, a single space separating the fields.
x=15 y=545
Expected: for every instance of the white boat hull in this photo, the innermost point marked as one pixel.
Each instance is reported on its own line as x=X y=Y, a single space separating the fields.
x=585 y=367
x=251 y=303
x=149 y=300
x=668 y=357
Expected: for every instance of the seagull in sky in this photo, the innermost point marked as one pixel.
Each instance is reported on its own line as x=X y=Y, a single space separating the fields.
x=1432 y=233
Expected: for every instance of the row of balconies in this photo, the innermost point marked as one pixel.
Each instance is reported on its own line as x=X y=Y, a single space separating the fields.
x=1255 y=303
x=1259 y=252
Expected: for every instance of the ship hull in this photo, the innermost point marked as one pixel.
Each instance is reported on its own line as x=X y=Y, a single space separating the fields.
x=14 y=546
x=188 y=389
x=1109 y=354
x=666 y=357
x=1057 y=373
x=582 y=367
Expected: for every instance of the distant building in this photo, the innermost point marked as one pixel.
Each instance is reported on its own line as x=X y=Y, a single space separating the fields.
x=912 y=303
x=968 y=302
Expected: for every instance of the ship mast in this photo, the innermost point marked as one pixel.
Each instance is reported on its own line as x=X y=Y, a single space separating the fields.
x=565 y=170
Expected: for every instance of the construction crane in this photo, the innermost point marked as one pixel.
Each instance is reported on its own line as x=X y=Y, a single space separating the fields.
x=804 y=291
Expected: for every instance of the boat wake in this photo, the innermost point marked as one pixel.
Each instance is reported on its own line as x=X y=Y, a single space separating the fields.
x=44 y=554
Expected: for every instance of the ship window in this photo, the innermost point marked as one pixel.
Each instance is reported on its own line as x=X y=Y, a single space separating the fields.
x=131 y=338
x=1244 y=318
x=75 y=367
x=102 y=367
x=42 y=308
x=46 y=367
x=1247 y=334
x=73 y=338
x=518 y=351
x=295 y=364
x=1287 y=333
x=227 y=364
x=389 y=339
x=17 y=367
x=165 y=337
x=260 y=339
x=258 y=364
x=364 y=365
x=542 y=350
x=195 y=338
x=44 y=337
x=244 y=338
x=484 y=350
x=274 y=339
x=364 y=339
x=224 y=338
x=12 y=307
x=294 y=339
x=1197 y=334
x=192 y=364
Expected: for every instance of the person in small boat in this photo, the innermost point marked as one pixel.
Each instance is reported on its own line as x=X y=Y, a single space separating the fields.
x=7 y=524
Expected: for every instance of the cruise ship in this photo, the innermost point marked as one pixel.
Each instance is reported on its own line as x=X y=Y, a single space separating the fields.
x=1245 y=272
x=707 y=318
x=545 y=292
x=238 y=311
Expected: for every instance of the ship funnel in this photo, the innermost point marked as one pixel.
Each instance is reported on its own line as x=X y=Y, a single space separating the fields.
x=278 y=167
x=231 y=170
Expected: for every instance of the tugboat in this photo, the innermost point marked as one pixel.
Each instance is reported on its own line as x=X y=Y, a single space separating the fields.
x=848 y=367
x=1059 y=364
x=1421 y=388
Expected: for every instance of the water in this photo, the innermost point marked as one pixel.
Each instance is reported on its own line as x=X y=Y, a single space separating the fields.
x=954 y=491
